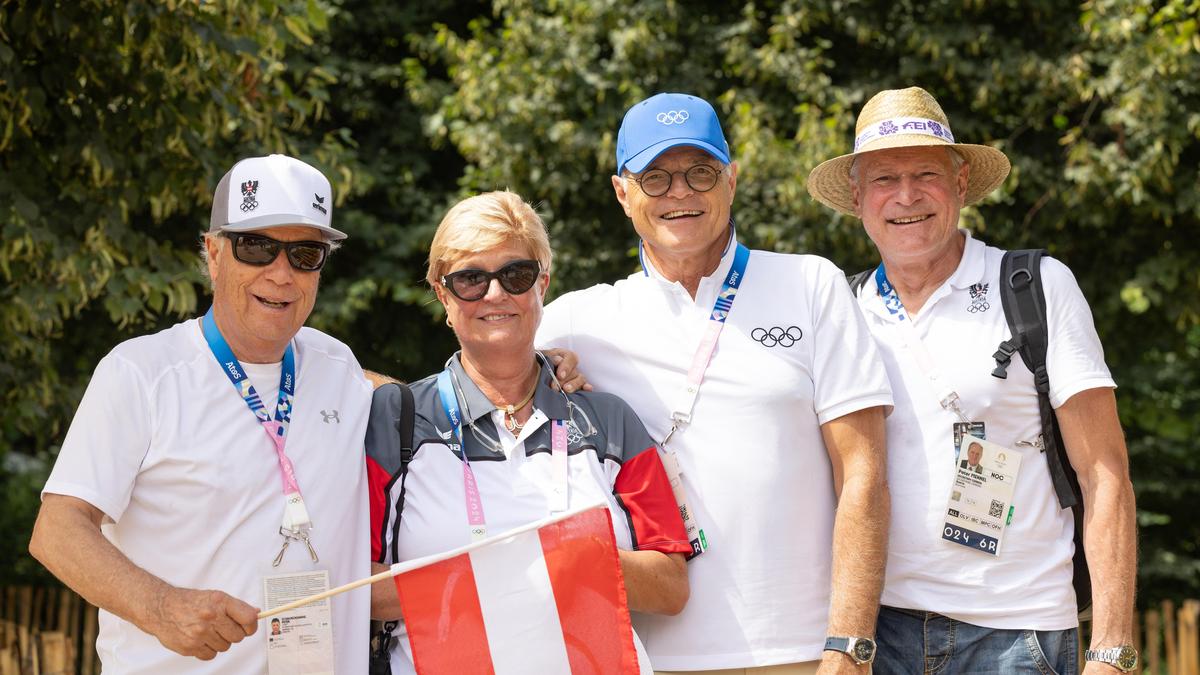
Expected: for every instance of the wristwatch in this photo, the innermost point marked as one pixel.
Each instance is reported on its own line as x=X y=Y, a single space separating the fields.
x=1122 y=657
x=861 y=649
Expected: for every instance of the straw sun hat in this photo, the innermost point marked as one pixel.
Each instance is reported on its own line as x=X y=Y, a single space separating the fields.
x=904 y=118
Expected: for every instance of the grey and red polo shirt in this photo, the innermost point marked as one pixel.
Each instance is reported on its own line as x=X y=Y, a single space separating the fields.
x=611 y=459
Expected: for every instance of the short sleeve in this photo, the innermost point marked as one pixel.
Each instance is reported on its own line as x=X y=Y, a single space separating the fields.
x=642 y=486
x=1074 y=357
x=848 y=372
x=107 y=440
x=555 y=328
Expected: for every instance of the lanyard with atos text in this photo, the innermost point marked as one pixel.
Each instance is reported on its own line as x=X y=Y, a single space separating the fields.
x=296 y=523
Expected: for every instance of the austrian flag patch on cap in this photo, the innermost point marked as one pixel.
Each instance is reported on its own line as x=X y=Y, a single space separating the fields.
x=273 y=191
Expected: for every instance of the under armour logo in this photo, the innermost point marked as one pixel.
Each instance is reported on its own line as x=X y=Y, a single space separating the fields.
x=672 y=117
x=777 y=335
x=331 y=415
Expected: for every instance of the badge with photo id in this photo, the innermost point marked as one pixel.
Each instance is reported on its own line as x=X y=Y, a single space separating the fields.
x=980 y=506
x=299 y=642
x=962 y=429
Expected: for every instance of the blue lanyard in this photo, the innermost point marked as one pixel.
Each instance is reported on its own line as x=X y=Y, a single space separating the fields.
x=682 y=410
x=241 y=382
x=296 y=522
x=476 y=523
x=887 y=292
x=450 y=405
x=947 y=397
x=729 y=289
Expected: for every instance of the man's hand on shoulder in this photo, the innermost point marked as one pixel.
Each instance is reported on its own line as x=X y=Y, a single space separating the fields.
x=566 y=369
x=200 y=623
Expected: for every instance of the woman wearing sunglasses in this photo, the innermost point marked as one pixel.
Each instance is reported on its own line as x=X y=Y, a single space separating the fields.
x=490 y=267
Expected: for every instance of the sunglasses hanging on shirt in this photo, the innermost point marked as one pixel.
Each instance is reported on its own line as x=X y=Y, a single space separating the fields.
x=260 y=250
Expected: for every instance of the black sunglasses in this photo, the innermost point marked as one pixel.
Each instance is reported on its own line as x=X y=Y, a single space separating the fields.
x=259 y=250
x=516 y=277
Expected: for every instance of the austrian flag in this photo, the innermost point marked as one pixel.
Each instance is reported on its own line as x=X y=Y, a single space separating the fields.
x=545 y=598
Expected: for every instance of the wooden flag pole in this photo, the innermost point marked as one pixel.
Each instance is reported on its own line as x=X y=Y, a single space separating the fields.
x=401 y=568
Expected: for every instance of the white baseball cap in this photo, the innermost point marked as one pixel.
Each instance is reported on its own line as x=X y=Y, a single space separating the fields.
x=274 y=191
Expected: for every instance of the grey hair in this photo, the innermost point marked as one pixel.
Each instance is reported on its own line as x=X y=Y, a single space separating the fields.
x=956 y=162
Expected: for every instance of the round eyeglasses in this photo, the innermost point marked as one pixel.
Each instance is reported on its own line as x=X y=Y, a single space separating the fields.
x=656 y=182
x=516 y=277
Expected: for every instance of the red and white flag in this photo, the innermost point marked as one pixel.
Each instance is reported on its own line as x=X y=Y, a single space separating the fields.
x=545 y=598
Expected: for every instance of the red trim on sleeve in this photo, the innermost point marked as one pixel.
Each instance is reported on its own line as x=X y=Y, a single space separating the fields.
x=645 y=491
x=377 y=480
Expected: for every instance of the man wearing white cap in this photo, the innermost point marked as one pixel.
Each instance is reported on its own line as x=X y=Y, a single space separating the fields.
x=216 y=467
x=979 y=573
x=757 y=376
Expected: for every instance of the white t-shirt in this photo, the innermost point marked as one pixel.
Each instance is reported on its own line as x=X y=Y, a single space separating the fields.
x=163 y=444
x=794 y=354
x=1028 y=586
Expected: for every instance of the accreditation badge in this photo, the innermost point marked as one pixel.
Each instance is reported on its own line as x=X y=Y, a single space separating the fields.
x=300 y=641
x=980 y=506
x=695 y=533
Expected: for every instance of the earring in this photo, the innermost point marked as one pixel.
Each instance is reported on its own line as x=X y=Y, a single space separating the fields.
x=449 y=323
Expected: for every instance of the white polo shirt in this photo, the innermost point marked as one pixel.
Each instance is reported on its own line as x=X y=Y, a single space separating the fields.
x=166 y=448
x=1028 y=586
x=754 y=464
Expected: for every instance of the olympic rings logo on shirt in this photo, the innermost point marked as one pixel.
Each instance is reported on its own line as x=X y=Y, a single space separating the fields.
x=777 y=335
x=672 y=117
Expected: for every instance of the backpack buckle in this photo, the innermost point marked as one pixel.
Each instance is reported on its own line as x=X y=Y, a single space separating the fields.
x=1004 y=354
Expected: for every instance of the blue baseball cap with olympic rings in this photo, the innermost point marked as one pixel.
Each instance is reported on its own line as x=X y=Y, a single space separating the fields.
x=666 y=121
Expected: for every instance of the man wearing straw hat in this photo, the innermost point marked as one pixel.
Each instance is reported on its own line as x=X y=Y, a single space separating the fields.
x=165 y=506
x=953 y=601
x=757 y=376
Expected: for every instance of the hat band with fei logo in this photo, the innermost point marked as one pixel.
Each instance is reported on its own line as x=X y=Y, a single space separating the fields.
x=903 y=125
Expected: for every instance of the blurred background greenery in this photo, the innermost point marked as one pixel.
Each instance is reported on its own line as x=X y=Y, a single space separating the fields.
x=117 y=119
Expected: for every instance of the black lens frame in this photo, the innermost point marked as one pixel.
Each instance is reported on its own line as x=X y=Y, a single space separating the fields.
x=498 y=275
x=274 y=246
x=671 y=179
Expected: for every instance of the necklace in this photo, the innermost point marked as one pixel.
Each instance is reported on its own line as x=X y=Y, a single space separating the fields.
x=510 y=411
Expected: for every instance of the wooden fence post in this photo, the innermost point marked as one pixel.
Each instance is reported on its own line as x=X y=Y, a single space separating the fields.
x=1189 y=638
x=90 y=628
x=1170 y=636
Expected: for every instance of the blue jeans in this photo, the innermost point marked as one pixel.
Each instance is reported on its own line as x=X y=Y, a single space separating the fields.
x=912 y=642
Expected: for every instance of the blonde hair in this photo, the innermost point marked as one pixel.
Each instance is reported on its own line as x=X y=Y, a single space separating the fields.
x=486 y=221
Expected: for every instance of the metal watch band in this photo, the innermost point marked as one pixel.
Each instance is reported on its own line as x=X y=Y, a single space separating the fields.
x=1122 y=657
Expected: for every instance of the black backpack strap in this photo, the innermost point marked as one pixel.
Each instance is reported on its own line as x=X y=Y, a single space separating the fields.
x=1024 y=301
x=404 y=426
x=857 y=281
x=390 y=442
x=1024 y=304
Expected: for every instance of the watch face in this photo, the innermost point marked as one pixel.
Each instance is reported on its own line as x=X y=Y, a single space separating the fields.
x=863 y=650
x=1127 y=658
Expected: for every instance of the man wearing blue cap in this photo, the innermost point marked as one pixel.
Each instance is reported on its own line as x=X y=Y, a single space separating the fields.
x=761 y=380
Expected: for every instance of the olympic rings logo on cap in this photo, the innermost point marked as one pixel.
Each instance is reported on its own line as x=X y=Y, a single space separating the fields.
x=672 y=117
x=777 y=335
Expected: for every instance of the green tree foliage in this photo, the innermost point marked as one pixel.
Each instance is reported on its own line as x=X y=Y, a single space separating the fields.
x=116 y=120
x=118 y=117
x=1096 y=105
